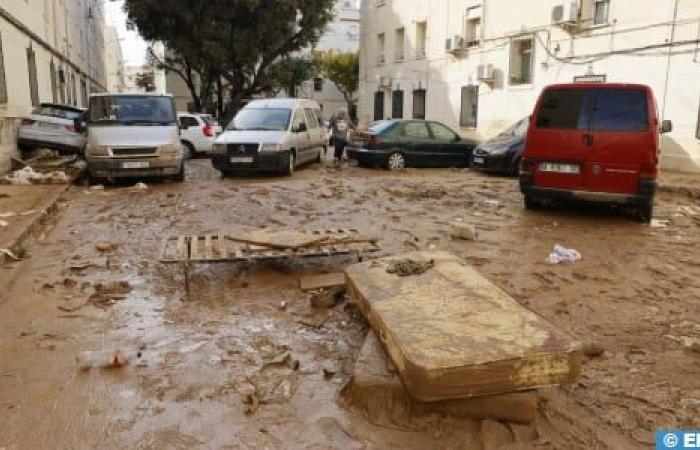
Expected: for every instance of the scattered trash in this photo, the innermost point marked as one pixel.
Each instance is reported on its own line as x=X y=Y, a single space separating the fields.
x=406 y=267
x=313 y=282
x=104 y=359
x=3 y=223
x=316 y=320
x=9 y=254
x=593 y=349
x=140 y=186
x=658 y=223
x=28 y=176
x=462 y=230
x=492 y=202
x=97 y=187
x=691 y=344
x=283 y=305
x=327 y=298
x=561 y=254
x=105 y=247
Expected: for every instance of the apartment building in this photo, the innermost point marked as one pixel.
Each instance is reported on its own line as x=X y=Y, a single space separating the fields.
x=115 y=71
x=50 y=51
x=479 y=65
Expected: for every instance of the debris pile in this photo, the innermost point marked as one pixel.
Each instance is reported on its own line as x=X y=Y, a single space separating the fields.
x=28 y=176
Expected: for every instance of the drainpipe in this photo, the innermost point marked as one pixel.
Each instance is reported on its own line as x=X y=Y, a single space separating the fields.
x=668 y=61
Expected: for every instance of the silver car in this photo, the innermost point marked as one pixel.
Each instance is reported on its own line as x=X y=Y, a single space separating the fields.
x=51 y=126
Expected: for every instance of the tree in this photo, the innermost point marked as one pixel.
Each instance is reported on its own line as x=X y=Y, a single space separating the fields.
x=146 y=81
x=343 y=69
x=290 y=72
x=241 y=40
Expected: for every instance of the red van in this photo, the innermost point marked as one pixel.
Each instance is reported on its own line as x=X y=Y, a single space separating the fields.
x=593 y=142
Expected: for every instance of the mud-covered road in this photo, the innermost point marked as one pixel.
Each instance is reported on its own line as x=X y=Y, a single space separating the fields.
x=214 y=370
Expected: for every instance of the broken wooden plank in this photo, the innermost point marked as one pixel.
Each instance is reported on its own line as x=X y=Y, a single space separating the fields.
x=208 y=251
x=194 y=247
x=326 y=280
x=181 y=254
x=278 y=239
x=221 y=247
x=453 y=334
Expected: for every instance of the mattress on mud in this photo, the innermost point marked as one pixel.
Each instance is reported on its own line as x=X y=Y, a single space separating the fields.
x=453 y=334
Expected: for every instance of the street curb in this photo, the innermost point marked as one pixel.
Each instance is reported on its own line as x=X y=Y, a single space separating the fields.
x=48 y=210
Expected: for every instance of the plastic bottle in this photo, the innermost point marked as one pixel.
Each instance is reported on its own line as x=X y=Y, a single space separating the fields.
x=103 y=359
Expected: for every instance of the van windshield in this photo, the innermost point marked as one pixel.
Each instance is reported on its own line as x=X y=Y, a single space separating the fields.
x=131 y=110
x=276 y=119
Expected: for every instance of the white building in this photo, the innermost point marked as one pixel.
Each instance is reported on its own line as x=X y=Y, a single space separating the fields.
x=114 y=61
x=479 y=65
x=50 y=51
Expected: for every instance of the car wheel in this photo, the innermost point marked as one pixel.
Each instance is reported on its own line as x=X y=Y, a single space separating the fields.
x=180 y=176
x=289 y=170
x=189 y=150
x=395 y=162
x=645 y=212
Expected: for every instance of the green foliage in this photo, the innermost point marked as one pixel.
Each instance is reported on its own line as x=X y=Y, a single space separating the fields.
x=146 y=81
x=241 y=40
x=343 y=69
x=291 y=71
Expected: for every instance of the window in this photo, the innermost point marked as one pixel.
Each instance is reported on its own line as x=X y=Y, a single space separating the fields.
x=33 y=82
x=470 y=106
x=421 y=39
x=311 y=121
x=521 y=61
x=318 y=84
x=61 y=85
x=563 y=109
x=3 y=85
x=298 y=119
x=400 y=37
x=381 y=42
x=415 y=130
x=397 y=105
x=419 y=104
x=619 y=110
x=472 y=28
x=378 y=105
x=54 y=84
x=187 y=121
x=84 y=91
x=601 y=9
x=442 y=133
x=75 y=90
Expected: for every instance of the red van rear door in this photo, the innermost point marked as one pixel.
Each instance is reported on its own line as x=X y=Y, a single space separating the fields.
x=557 y=144
x=622 y=139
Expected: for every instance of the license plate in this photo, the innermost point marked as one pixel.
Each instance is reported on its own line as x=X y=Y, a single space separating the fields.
x=478 y=160
x=135 y=165
x=242 y=159
x=51 y=126
x=574 y=169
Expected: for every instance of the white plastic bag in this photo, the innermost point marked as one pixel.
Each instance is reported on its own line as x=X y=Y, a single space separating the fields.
x=562 y=254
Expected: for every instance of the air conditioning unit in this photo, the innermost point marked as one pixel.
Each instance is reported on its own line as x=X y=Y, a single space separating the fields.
x=385 y=82
x=455 y=43
x=485 y=72
x=566 y=13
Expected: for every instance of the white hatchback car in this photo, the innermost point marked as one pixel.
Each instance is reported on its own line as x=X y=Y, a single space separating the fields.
x=52 y=126
x=198 y=132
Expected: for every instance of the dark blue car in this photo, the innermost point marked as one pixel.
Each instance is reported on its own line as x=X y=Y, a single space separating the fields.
x=502 y=153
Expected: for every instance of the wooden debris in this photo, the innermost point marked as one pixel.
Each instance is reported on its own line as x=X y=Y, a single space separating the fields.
x=326 y=280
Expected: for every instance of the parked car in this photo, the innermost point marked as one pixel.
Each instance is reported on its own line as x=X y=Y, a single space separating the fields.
x=502 y=153
x=131 y=135
x=396 y=144
x=51 y=126
x=594 y=142
x=271 y=135
x=198 y=132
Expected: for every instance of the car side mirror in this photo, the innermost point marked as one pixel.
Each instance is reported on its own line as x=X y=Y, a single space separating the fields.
x=79 y=124
x=301 y=128
x=666 y=126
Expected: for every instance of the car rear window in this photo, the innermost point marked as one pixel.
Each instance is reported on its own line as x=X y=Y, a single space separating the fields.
x=381 y=126
x=57 y=111
x=620 y=110
x=563 y=109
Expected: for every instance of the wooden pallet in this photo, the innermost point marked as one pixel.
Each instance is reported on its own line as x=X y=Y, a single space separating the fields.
x=217 y=248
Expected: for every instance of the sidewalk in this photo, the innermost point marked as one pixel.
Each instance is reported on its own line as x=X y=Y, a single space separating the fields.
x=22 y=208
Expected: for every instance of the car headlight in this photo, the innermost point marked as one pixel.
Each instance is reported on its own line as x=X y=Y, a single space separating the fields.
x=97 y=150
x=219 y=148
x=270 y=148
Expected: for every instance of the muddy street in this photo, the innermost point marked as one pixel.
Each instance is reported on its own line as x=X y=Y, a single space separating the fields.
x=245 y=361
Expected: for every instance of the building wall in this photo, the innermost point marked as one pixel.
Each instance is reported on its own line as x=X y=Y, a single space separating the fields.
x=114 y=61
x=67 y=33
x=614 y=49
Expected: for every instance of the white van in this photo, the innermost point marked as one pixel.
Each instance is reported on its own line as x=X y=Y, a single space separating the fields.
x=132 y=135
x=272 y=135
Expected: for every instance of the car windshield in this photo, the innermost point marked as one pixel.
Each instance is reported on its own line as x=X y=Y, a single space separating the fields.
x=57 y=111
x=517 y=129
x=132 y=110
x=261 y=119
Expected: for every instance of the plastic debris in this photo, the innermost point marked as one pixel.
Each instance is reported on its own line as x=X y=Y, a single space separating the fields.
x=97 y=187
x=462 y=230
x=104 y=359
x=562 y=254
x=3 y=223
x=28 y=176
x=140 y=186
x=658 y=223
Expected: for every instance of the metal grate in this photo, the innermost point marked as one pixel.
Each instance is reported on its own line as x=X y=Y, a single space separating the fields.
x=243 y=149
x=134 y=151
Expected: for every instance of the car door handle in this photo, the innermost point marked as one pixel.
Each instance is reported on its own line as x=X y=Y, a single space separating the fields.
x=588 y=140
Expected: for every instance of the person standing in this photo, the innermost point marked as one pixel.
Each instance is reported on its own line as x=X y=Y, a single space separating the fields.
x=340 y=127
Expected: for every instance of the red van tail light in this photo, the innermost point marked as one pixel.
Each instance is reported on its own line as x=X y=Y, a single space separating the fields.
x=648 y=172
x=27 y=121
x=208 y=131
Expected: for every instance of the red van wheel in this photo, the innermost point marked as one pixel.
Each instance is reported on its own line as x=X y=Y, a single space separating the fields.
x=645 y=212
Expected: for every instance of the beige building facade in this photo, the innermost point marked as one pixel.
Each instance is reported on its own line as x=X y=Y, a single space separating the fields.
x=50 y=51
x=114 y=61
x=479 y=65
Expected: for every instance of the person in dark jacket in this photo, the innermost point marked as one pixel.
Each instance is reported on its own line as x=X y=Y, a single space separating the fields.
x=341 y=126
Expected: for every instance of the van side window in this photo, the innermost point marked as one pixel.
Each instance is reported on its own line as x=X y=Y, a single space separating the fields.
x=564 y=109
x=620 y=110
x=298 y=119
x=311 y=121
x=319 y=116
